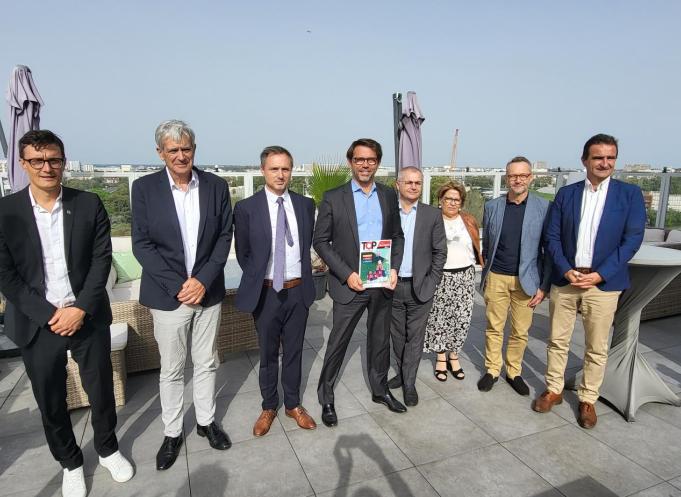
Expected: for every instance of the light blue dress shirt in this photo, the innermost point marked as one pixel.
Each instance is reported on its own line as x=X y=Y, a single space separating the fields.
x=408 y=223
x=368 y=212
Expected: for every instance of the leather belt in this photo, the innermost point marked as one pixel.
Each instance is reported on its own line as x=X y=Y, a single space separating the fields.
x=405 y=278
x=287 y=284
x=584 y=270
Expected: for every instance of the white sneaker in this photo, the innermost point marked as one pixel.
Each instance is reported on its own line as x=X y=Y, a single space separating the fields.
x=120 y=468
x=73 y=483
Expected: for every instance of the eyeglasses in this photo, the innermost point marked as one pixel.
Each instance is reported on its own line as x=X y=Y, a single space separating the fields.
x=54 y=163
x=411 y=183
x=521 y=177
x=451 y=200
x=360 y=161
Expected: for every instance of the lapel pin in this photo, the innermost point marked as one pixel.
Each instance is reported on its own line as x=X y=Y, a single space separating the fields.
x=68 y=211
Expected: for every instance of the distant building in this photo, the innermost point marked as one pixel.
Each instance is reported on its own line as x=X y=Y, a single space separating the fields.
x=637 y=168
x=3 y=165
x=126 y=168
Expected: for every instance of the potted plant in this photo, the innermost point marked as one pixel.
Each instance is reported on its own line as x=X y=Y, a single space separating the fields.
x=324 y=177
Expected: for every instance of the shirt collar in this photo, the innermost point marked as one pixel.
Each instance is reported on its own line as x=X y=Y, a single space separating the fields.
x=413 y=208
x=35 y=204
x=602 y=186
x=356 y=187
x=272 y=198
x=521 y=203
x=192 y=182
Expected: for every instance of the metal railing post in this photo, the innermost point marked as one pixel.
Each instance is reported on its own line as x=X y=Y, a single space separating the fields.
x=665 y=183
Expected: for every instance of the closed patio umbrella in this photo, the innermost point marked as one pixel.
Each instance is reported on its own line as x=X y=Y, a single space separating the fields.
x=410 y=133
x=24 y=113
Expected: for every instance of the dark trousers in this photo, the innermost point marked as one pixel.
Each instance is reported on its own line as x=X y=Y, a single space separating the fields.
x=45 y=361
x=345 y=318
x=408 y=330
x=280 y=318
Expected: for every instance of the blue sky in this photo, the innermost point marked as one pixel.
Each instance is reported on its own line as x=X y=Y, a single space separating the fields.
x=532 y=78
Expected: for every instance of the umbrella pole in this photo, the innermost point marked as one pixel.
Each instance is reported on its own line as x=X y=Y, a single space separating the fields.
x=397 y=115
x=3 y=141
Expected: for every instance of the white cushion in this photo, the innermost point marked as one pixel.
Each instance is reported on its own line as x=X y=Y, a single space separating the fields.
x=121 y=244
x=110 y=282
x=653 y=235
x=674 y=236
x=119 y=336
x=130 y=290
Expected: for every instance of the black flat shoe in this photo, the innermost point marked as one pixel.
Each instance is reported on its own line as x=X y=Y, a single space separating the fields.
x=390 y=402
x=411 y=396
x=487 y=381
x=167 y=454
x=217 y=438
x=519 y=385
x=329 y=417
x=440 y=374
x=458 y=374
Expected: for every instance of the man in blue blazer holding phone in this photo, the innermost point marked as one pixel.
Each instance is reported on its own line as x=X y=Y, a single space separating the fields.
x=595 y=227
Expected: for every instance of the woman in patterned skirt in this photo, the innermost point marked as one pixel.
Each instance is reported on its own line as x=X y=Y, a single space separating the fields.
x=450 y=316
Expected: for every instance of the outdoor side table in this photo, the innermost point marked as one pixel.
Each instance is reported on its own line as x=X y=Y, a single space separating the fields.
x=629 y=380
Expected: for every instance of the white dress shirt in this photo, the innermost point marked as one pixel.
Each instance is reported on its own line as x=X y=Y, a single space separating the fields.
x=58 y=291
x=460 y=251
x=593 y=202
x=189 y=216
x=293 y=269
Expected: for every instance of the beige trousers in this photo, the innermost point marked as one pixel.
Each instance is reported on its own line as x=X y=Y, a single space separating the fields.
x=503 y=292
x=598 y=311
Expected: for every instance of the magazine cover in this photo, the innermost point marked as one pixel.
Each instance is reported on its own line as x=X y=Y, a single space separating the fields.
x=374 y=263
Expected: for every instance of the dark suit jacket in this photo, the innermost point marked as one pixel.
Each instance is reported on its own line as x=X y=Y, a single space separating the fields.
x=429 y=251
x=157 y=240
x=336 y=237
x=87 y=243
x=253 y=232
x=619 y=236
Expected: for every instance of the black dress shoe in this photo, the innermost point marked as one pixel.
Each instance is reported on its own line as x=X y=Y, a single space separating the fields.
x=329 y=417
x=166 y=455
x=217 y=438
x=519 y=385
x=395 y=382
x=390 y=402
x=411 y=396
x=487 y=381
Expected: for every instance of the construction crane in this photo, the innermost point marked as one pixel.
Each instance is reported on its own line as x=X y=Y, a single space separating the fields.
x=452 y=162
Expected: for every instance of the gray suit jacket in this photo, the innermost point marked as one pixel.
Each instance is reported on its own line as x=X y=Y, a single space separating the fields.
x=429 y=251
x=336 y=237
x=535 y=264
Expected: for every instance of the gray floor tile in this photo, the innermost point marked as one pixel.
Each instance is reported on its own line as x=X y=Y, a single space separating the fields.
x=262 y=467
x=141 y=392
x=661 y=490
x=26 y=463
x=49 y=490
x=147 y=482
x=354 y=451
x=490 y=472
x=236 y=414
x=676 y=482
x=578 y=464
x=669 y=413
x=139 y=437
x=656 y=334
x=645 y=441
x=443 y=431
x=11 y=377
x=405 y=483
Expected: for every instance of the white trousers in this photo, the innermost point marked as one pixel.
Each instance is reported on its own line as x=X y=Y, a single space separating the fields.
x=171 y=329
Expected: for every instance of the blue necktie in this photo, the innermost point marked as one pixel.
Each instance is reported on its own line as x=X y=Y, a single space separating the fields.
x=283 y=233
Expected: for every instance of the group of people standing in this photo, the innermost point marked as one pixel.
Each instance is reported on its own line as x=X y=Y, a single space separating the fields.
x=55 y=257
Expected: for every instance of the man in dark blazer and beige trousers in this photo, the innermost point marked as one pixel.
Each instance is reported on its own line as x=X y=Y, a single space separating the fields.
x=425 y=253
x=358 y=211
x=55 y=258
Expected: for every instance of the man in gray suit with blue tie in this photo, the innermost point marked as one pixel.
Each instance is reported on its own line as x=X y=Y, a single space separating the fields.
x=516 y=275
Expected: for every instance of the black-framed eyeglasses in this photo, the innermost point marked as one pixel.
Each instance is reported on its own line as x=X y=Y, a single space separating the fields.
x=53 y=162
x=451 y=200
x=360 y=161
x=411 y=183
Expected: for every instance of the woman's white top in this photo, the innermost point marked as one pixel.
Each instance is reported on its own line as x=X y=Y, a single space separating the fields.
x=460 y=251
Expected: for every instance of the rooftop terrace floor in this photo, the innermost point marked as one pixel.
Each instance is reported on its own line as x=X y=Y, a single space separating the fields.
x=456 y=442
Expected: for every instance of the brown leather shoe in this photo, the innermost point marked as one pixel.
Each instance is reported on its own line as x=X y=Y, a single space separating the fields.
x=587 y=415
x=546 y=401
x=301 y=416
x=262 y=425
